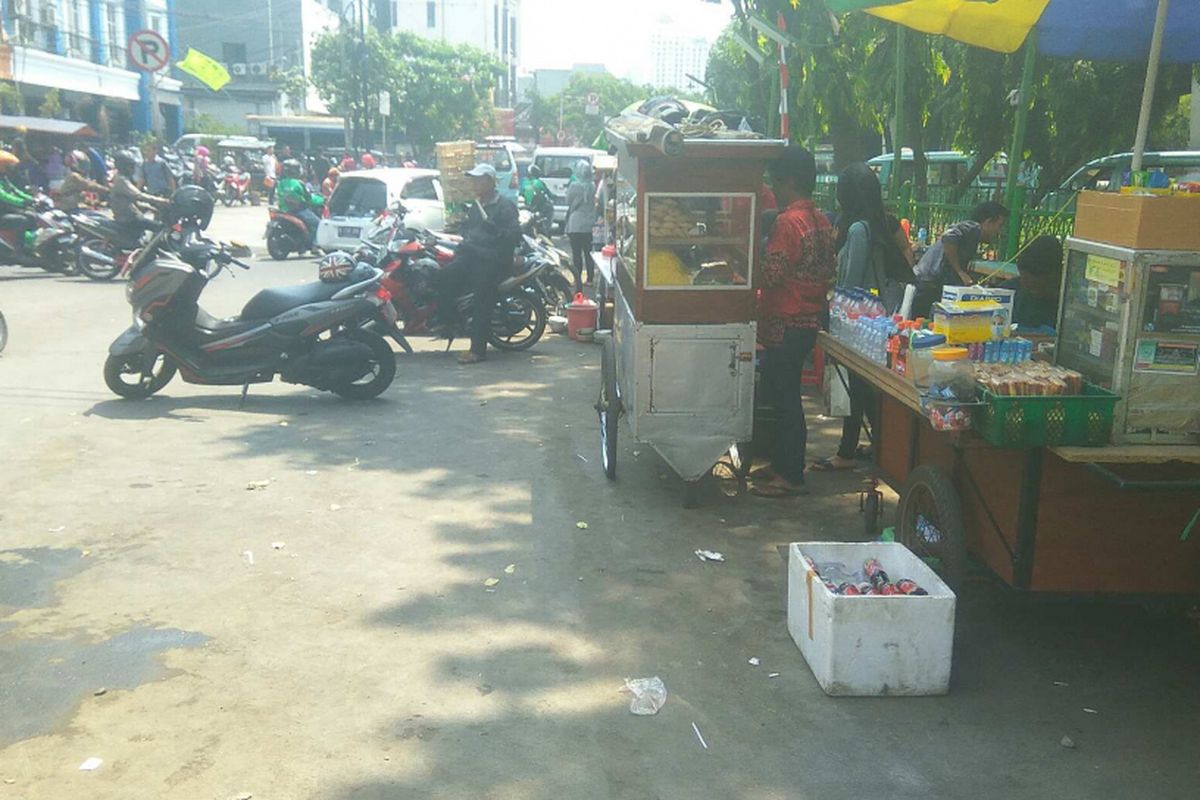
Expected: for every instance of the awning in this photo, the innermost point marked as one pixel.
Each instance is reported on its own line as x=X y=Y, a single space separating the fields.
x=53 y=127
x=298 y=122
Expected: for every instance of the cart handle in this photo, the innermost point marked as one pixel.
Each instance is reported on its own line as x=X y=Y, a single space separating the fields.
x=1143 y=486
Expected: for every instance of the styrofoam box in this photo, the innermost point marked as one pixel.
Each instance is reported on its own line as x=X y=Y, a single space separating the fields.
x=871 y=645
x=968 y=294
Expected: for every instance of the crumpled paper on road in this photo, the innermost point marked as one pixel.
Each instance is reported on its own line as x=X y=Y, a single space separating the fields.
x=649 y=695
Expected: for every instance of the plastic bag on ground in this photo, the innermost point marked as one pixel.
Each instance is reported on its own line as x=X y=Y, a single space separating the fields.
x=649 y=695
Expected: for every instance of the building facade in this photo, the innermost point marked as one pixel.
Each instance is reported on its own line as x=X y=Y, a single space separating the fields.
x=677 y=57
x=78 y=47
x=259 y=43
x=491 y=25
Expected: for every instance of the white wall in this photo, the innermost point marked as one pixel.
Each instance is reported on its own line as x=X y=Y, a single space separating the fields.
x=458 y=21
x=315 y=19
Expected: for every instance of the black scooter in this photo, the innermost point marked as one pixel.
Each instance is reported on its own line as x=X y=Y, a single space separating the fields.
x=310 y=334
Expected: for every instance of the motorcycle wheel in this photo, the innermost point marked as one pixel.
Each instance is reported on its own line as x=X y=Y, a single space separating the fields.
x=277 y=245
x=383 y=369
x=97 y=270
x=518 y=322
x=3 y=333
x=128 y=379
x=560 y=293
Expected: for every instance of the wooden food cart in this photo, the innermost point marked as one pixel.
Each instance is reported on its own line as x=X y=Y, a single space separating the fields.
x=1121 y=518
x=679 y=363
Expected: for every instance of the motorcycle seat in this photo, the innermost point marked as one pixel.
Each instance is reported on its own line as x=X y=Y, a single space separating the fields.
x=16 y=222
x=114 y=232
x=272 y=302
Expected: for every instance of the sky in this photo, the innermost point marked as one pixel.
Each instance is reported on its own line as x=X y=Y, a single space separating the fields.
x=616 y=33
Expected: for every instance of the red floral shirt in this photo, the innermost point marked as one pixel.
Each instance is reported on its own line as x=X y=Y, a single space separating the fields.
x=797 y=272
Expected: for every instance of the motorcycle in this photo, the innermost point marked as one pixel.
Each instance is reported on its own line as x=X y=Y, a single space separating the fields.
x=3 y=333
x=235 y=188
x=40 y=236
x=105 y=247
x=287 y=233
x=313 y=334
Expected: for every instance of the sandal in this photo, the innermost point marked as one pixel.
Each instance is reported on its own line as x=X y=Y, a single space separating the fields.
x=470 y=358
x=828 y=465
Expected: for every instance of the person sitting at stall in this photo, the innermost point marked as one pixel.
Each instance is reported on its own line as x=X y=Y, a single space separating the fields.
x=1039 y=265
x=76 y=184
x=797 y=272
x=127 y=201
x=866 y=244
x=490 y=233
x=296 y=199
x=948 y=261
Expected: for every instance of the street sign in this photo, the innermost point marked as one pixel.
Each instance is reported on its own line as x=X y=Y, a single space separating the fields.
x=385 y=103
x=591 y=106
x=148 y=50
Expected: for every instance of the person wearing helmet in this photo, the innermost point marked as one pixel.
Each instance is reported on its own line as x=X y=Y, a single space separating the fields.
x=295 y=199
x=330 y=182
x=367 y=161
x=70 y=195
x=11 y=197
x=125 y=198
x=190 y=207
x=538 y=199
x=200 y=166
x=490 y=235
x=347 y=163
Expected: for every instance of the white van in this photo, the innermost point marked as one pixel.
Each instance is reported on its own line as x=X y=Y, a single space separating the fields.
x=557 y=165
x=362 y=195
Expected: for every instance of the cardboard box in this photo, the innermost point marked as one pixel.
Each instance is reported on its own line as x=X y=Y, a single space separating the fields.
x=973 y=321
x=969 y=294
x=871 y=645
x=1140 y=221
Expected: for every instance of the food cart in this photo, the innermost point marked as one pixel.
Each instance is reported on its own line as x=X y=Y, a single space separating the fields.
x=679 y=363
x=1119 y=518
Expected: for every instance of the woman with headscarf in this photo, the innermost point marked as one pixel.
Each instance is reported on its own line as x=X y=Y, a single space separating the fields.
x=863 y=236
x=581 y=216
x=330 y=182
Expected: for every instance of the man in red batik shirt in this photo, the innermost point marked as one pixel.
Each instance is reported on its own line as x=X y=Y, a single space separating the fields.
x=797 y=273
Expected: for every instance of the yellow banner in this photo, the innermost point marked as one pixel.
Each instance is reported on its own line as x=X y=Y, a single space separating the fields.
x=204 y=69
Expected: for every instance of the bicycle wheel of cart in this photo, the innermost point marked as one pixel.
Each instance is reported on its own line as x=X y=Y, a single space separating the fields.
x=931 y=523
x=608 y=407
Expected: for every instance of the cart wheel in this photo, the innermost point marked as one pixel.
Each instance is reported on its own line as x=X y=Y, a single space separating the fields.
x=608 y=407
x=931 y=523
x=871 y=501
x=691 y=493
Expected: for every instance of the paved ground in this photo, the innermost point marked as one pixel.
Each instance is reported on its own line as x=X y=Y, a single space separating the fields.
x=366 y=658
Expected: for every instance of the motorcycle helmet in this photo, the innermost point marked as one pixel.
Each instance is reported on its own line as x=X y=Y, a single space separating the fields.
x=79 y=162
x=535 y=171
x=291 y=168
x=202 y=151
x=228 y=161
x=190 y=205
x=125 y=163
x=335 y=267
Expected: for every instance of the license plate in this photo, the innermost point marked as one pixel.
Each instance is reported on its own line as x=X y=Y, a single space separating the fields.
x=349 y=233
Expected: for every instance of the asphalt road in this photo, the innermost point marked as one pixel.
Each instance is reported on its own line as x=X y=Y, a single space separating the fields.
x=292 y=599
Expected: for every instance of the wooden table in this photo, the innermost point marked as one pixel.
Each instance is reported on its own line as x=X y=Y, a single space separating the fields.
x=1114 y=520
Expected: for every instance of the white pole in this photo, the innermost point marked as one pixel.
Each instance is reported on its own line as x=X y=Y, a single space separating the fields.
x=1143 y=128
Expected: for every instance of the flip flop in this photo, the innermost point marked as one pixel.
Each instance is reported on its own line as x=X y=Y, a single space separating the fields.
x=470 y=358
x=827 y=465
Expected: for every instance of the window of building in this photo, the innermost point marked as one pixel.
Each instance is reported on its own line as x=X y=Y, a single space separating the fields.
x=79 y=31
x=233 y=52
x=113 y=33
x=48 y=26
x=156 y=24
x=495 y=26
x=512 y=37
x=395 y=19
x=431 y=14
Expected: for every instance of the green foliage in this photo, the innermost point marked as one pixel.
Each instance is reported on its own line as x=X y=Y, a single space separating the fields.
x=11 y=101
x=439 y=91
x=51 y=107
x=207 y=124
x=616 y=94
x=294 y=86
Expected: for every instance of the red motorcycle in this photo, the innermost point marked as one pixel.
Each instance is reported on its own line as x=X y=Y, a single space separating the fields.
x=410 y=261
x=235 y=188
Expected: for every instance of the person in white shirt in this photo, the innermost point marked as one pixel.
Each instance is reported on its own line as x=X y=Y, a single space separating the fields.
x=270 y=164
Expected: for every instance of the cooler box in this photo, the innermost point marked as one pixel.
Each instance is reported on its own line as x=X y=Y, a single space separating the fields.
x=871 y=645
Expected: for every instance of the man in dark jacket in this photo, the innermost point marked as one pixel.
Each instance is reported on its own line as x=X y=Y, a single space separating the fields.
x=485 y=257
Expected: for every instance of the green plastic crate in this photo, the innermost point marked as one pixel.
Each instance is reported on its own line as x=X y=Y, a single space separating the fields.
x=1022 y=421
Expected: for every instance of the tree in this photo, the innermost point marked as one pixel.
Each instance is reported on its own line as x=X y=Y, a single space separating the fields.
x=615 y=95
x=439 y=91
x=207 y=124
x=11 y=101
x=51 y=107
x=294 y=86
